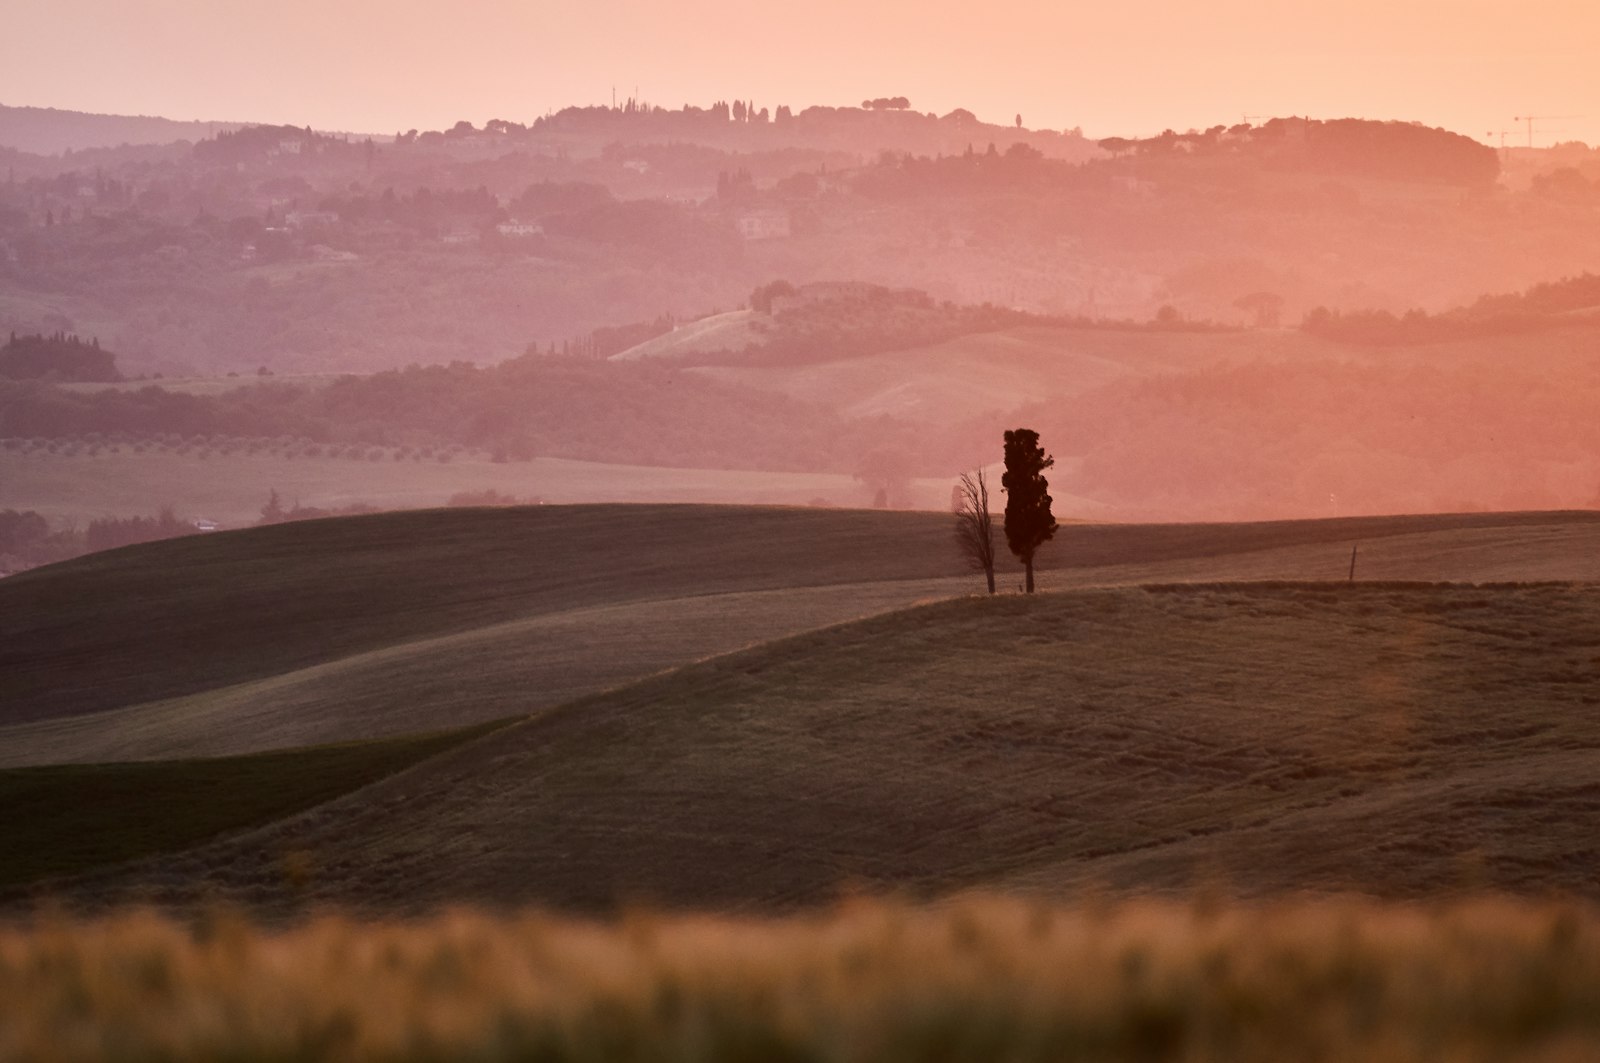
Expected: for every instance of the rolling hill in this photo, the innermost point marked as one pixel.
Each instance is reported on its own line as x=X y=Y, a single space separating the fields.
x=1001 y=371
x=732 y=331
x=365 y=627
x=1128 y=730
x=996 y=372
x=49 y=131
x=1399 y=739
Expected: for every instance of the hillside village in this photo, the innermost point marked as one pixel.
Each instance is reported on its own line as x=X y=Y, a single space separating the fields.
x=540 y=233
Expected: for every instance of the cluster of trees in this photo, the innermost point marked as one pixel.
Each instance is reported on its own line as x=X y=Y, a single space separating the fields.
x=58 y=356
x=27 y=539
x=108 y=533
x=424 y=209
x=824 y=322
x=1029 y=523
x=1020 y=167
x=544 y=198
x=827 y=322
x=20 y=529
x=1566 y=183
x=669 y=230
x=257 y=142
x=273 y=510
x=1544 y=306
x=607 y=340
x=1403 y=151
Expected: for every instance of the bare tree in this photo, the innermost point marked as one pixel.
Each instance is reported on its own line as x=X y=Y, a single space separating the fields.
x=974 y=525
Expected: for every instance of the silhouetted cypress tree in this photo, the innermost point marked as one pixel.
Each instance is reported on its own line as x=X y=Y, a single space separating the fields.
x=1029 y=522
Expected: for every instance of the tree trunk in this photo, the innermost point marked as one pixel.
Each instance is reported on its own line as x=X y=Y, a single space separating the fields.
x=1028 y=563
x=990 y=573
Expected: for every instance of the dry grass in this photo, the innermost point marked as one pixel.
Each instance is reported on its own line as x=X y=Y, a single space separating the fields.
x=497 y=671
x=1407 y=741
x=977 y=979
x=65 y=819
x=355 y=629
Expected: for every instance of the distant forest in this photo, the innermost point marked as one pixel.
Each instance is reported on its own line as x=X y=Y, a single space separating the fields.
x=59 y=357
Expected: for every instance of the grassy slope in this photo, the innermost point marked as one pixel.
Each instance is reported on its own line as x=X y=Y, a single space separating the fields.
x=1392 y=738
x=487 y=673
x=62 y=820
x=176 y=617
x=732 y=331
x=995 y=371
x=406 y=622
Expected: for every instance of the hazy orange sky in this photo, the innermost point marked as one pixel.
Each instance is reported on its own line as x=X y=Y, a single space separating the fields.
x=1123 y=67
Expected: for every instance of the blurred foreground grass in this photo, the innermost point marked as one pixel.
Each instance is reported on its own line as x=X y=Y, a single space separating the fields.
x=973 y=979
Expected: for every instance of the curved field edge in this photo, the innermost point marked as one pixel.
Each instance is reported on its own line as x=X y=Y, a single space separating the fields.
x=177 y=618
x=1398 y=739
x=65 y=820
x=565 y=648
x=498 y=671
x=979 y=978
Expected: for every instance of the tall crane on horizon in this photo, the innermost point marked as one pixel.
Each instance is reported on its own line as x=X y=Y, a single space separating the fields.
x=1532 y=118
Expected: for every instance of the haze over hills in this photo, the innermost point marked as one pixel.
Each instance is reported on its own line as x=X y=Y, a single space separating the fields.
x=845 y=293
x=837 y=394
x=330 y=251
x=50 y=131
x=779 y=578
x=867 y=294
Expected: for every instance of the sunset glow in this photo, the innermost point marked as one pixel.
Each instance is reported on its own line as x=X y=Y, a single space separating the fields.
x=837 y=531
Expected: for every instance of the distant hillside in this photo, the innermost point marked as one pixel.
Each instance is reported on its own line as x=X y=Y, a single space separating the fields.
x=825 y=321
x=734 y=330
x=1548 y=305
x=48 y=131
x=1404 y=151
